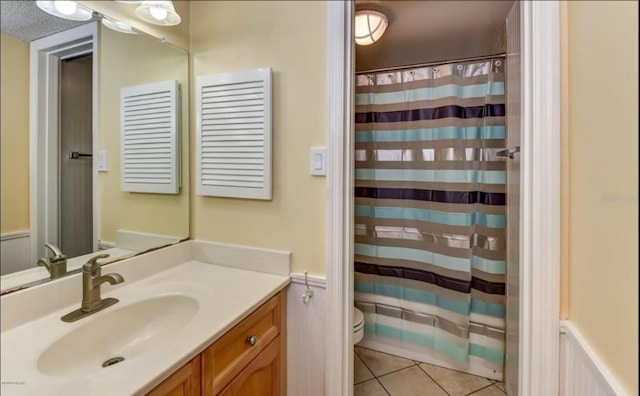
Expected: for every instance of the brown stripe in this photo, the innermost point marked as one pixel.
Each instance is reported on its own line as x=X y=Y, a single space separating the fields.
x=463 y=275
x=431 y=83
x=425 y=286
x=428 y=246
x=432 y=144
x=432 y=103
x=497 y=334
x=499 y=254
x=434 y=227
x=438 y=322
x=495 y=278
x=488 y=298
x=452 y=241
x=436 y=165
x=490 y=188
x=440 y=206
x=438 y=123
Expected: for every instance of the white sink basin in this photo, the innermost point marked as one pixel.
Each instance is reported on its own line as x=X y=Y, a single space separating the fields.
x=128 y=331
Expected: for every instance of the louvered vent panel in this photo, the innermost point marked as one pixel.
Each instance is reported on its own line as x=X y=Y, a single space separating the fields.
x=149 y=138
x=234 y=134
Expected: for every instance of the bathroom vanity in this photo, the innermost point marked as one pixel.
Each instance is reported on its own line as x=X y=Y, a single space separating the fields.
x=247 y=360
x=183 y=325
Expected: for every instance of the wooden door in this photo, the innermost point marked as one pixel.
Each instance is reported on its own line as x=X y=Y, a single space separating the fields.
x=76 y=173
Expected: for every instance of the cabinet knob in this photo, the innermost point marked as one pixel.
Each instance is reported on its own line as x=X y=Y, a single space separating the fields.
x=251 y=340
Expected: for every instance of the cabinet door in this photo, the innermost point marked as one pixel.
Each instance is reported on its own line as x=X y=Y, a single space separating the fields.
x=184 y=382
x=261 y=377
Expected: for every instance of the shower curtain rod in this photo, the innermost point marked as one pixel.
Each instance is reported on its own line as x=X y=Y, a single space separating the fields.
x=436 y=63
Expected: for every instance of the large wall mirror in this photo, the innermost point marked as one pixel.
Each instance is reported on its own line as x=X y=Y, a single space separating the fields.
x=63 y=165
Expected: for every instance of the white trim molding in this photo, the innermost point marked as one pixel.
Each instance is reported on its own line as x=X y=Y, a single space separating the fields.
x=45 y=54
x=540 y=200
x=540 y=206
x=582 y=371
x=340 y=76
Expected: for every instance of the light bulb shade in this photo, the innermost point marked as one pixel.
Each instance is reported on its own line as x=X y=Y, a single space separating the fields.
x=129 y=1
x=117 y=26
x=66 y=9
x=158 y=13
x=370 y=26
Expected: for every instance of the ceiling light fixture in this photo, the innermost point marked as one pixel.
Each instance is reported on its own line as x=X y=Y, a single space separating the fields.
x=370 y=26
x=66 y=9
x=117 y=25
x=158 y=12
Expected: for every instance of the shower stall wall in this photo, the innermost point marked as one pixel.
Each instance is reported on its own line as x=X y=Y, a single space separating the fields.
x=430 y=213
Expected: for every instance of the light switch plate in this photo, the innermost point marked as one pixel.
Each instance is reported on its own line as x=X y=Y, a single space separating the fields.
x=318 y=164
x=102 y=161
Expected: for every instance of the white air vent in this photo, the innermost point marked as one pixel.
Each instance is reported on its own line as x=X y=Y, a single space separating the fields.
x=233 y=134
x=150 y=138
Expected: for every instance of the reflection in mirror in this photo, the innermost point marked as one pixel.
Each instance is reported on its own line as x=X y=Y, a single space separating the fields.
x=75 y=200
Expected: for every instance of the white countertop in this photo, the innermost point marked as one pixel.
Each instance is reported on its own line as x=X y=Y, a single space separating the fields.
x=225 y=296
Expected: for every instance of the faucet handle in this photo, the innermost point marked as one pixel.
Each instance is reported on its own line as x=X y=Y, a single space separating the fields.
x=93 y=264
x=57 y=253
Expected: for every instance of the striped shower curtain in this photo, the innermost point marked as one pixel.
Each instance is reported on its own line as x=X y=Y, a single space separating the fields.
x=430 y=213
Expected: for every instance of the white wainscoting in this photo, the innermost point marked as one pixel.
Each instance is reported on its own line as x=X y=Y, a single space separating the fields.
x=306 y=328
x=14 y=252
x=581 y=371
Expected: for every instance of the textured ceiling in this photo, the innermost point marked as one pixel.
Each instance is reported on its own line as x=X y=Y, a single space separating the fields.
x=25 y=21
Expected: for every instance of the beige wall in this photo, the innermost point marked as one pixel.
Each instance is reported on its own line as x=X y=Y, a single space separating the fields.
x=127 y=60
x=602 y=119
x=289 y=37
x=14 y=134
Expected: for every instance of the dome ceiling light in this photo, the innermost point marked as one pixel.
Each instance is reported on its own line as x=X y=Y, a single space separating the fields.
x=370 y=26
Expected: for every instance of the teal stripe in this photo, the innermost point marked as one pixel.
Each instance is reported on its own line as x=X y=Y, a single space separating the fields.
x=432 y=216
x=423 y=256
x=424 y=340
x=443 y=91
x=487 y=353
x=416 y=295
x=490 y=266
x=428 y=134
x=489 y=309
x=430 y=175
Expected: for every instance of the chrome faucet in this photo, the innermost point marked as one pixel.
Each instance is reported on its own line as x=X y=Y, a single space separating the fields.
x=91 y=281
x=56 y=265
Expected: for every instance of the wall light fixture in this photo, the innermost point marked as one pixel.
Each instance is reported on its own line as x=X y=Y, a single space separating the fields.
x=66 y=9
x=158 y=12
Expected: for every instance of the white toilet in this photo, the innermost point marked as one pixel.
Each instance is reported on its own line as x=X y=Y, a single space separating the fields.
x=358 y=325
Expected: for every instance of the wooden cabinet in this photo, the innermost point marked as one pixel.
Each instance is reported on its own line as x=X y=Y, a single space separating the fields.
x=248 y=360
x=260 y=377
x=184 y=382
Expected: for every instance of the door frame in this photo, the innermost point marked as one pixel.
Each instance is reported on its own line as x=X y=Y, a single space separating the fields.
x=540 y=199
x=45 y=55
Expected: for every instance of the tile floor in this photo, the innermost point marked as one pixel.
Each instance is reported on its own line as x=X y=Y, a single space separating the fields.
x=380 y=374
